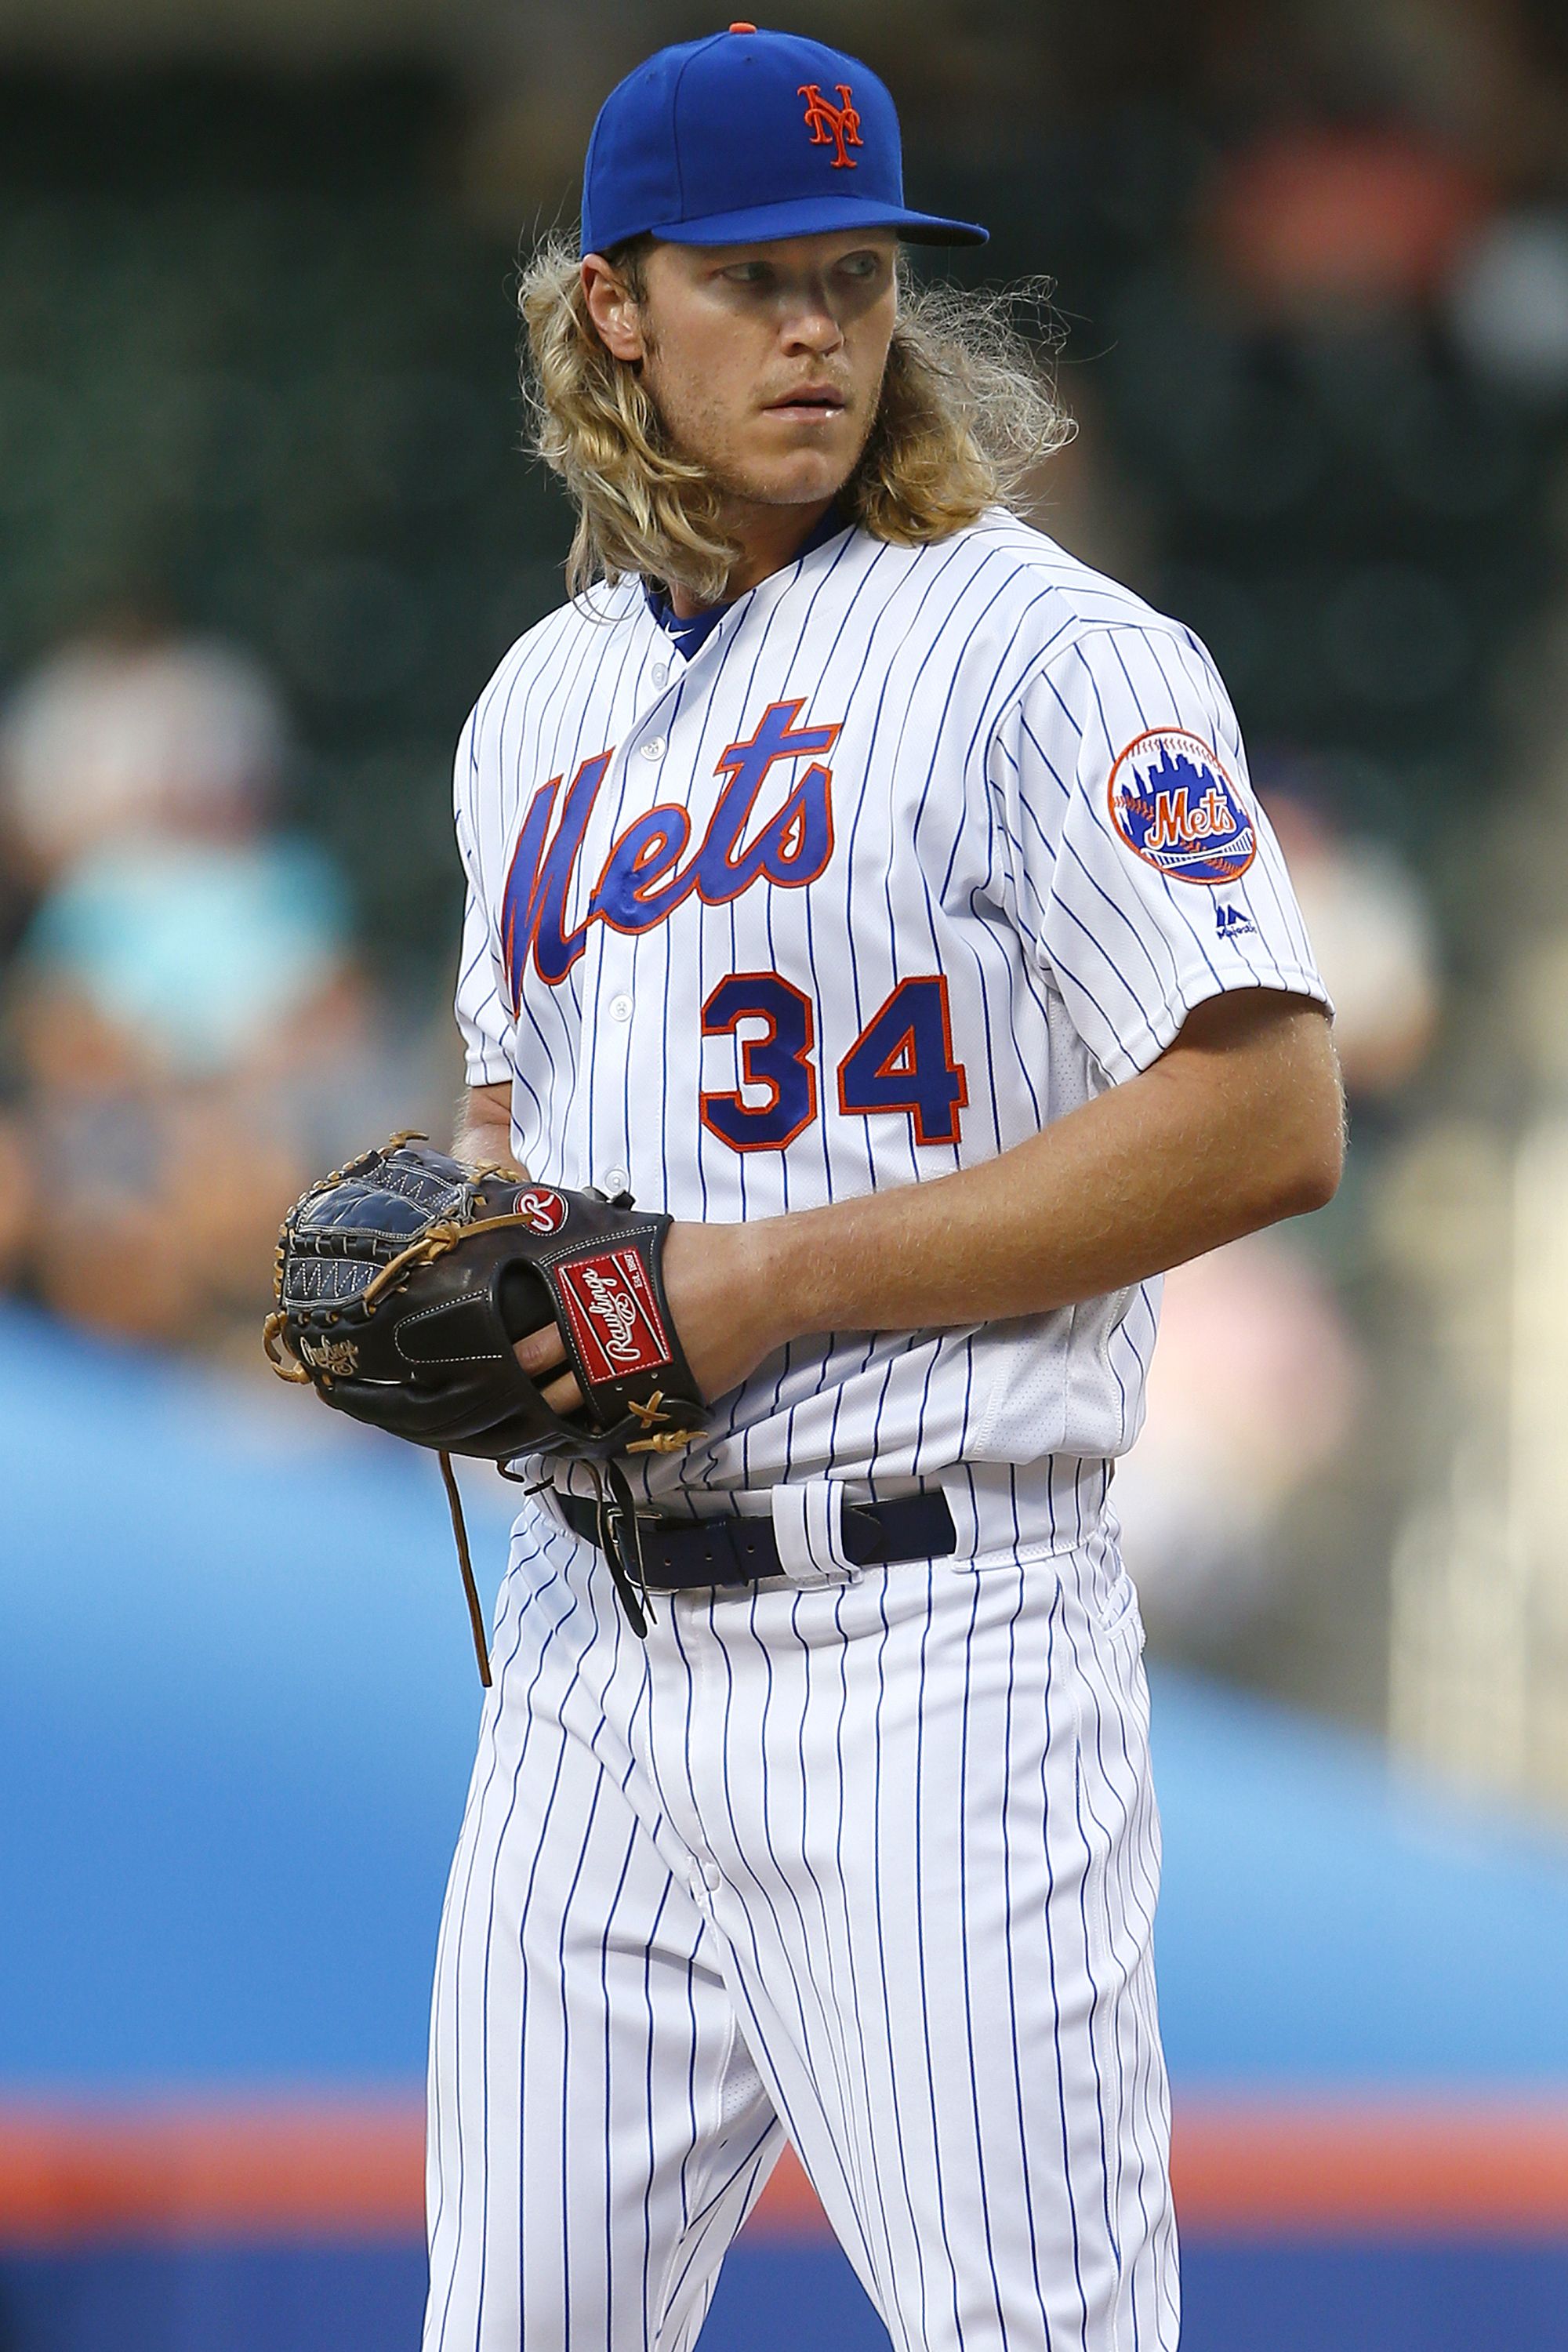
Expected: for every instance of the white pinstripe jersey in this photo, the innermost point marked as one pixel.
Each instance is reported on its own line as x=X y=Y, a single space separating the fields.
x=922 y=849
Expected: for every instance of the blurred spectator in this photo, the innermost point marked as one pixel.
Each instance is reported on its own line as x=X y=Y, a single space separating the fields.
x=1371 y=928
x=1252 y=1389
x=1508 y=304
x=134 y=729
x=198 y=951
x=1324 y=217
x=194 y=1037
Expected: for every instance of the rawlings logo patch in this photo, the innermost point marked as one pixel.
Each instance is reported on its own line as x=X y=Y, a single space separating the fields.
x=1175 y=808
x=614 y=1320
x=832 y=126
x=339 y=1358
x=542 y=1211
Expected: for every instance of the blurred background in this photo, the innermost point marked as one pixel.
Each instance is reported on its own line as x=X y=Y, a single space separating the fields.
x=265 y=529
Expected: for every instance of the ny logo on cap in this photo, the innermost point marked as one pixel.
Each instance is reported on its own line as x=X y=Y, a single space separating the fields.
x=826 y=121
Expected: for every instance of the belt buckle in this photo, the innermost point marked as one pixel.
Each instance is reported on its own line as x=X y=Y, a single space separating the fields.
x=623 y=1556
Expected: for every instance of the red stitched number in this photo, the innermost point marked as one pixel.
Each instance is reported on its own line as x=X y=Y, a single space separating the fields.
x=902 y=1060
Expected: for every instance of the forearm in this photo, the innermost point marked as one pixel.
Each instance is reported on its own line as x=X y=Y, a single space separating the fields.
x=1238 y=1124
x=1170 y=1165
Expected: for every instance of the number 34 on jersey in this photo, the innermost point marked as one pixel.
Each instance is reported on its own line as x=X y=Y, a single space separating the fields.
x=901 y=1061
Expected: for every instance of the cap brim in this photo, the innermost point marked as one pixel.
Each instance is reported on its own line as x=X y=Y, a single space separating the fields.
x=815 y=216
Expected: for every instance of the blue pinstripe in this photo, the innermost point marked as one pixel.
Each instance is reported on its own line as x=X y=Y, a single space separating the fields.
x=788 y=1892
x=1055 y=1998
x=964 y=1882
x=928 y=1797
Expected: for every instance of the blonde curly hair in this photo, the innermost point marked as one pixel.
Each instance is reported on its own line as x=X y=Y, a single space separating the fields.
x=966 y=413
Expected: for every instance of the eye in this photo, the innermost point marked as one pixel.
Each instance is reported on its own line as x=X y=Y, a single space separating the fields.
x=862 y=265
x=748 y=273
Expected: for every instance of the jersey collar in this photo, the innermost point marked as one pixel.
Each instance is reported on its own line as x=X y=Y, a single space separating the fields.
x=690 y=636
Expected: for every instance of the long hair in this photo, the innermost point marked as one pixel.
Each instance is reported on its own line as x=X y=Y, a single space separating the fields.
x=966 y=413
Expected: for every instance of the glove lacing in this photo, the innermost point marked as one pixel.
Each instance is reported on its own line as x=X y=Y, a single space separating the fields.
x=466 y=1565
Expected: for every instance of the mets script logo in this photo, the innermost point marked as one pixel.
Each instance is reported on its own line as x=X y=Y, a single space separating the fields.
x=1176 y=809
x=832 y=126
x=650 y=872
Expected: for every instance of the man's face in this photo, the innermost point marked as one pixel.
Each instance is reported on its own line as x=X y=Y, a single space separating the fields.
x=764 y=361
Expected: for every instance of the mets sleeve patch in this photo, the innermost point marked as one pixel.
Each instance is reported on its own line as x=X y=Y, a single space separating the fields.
x=1174 y=807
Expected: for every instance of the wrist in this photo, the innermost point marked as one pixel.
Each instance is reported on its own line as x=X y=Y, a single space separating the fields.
x=486 y=1147
x=783 y=1263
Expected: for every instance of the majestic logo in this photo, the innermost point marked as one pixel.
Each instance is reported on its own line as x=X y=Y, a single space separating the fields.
x=541 y=1211
x=644 y=879
x=1231 y=923
x=1176 y=809
x=614 y=1315
x=832 y=126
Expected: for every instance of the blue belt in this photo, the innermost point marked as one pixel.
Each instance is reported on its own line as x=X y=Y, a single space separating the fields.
x=680 y=1555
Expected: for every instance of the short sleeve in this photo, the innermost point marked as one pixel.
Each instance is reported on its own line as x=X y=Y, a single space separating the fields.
x=483 y=1015
x=1146 y=876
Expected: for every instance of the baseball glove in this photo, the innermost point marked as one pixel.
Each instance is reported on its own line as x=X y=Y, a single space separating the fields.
x=402 y=1280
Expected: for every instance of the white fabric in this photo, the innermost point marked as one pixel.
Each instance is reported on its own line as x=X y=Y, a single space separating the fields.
x=872 y=1859
x=977 y=695
x=873 y=1866
x=808 y=1529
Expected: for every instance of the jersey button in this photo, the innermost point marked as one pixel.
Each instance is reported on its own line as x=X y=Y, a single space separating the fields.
x=620 y=1008
x=660 y=673
x=653 y=749
x=617 y=1179
x=712 y=1877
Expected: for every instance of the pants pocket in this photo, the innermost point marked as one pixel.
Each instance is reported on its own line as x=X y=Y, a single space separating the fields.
x=1117 y=1613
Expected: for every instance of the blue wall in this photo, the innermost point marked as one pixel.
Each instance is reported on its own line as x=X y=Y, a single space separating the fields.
x=237 y=1711
x=237 y=1708
x=1290 y=2297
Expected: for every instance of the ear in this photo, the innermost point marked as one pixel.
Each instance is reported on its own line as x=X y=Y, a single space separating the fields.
x=612 y=308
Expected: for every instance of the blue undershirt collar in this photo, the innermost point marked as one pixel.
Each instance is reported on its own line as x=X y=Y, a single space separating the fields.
x=690 y=635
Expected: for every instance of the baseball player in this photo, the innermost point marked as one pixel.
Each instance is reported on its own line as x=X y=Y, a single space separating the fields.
x=863 y=882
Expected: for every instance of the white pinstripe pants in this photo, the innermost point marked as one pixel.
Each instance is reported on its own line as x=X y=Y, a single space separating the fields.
x=871 y=1865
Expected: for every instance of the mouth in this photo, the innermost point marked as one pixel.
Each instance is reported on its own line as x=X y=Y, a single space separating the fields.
x=809 y=402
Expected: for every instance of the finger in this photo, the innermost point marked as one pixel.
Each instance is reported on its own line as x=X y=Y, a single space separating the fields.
x=540 y=1351
x=562 y=1396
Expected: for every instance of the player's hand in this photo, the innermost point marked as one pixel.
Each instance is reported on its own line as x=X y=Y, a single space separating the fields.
x=725 y=1313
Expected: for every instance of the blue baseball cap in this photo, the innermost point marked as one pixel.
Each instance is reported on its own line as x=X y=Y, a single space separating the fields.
x=745 y=137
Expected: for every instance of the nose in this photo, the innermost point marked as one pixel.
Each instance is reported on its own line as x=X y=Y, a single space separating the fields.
x=809 y=322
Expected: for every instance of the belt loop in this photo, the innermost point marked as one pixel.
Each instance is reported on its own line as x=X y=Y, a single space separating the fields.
x=808 y=1529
